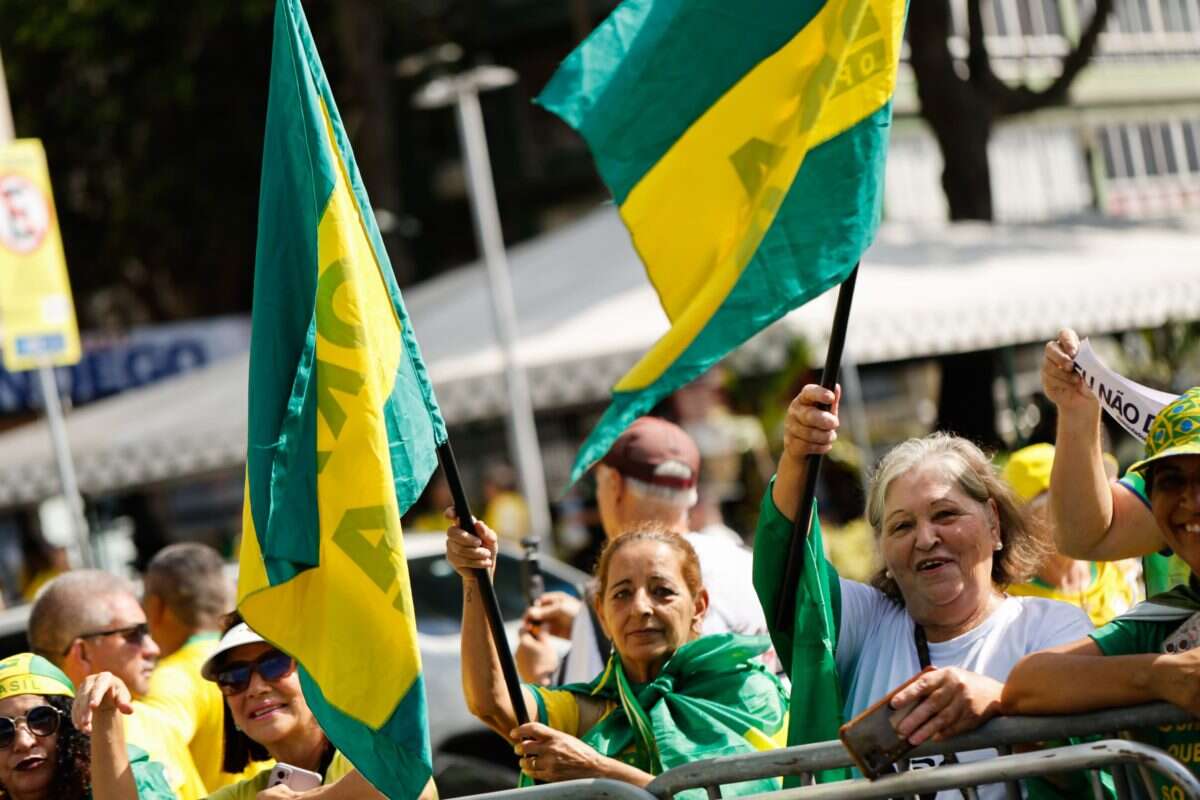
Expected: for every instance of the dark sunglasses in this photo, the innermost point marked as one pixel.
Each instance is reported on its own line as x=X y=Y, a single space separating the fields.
x=271 y=666
x=133 y=634
x=41 y=721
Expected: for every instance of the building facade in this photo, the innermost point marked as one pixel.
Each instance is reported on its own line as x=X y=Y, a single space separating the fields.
x=1128 y=144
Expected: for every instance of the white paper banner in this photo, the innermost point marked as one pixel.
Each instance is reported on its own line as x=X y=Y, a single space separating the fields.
x=1131 y=404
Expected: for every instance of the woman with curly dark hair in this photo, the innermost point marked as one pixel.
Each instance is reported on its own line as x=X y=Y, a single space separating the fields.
x=44 y=756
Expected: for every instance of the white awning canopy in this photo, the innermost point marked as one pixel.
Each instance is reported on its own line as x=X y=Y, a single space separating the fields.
x=586 y=312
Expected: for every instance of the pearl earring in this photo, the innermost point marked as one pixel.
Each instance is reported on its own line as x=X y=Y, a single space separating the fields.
x=998 y=546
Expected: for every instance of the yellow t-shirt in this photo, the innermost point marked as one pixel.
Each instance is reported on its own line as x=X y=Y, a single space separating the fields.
x=559 y=709
x=1111 y=593
x=249 y=788
x=852 y=550
x=197 y=709
x=156 y=733
x=508 y=515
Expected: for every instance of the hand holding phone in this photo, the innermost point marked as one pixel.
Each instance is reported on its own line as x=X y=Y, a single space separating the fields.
x=871 y=738
x=296 y=779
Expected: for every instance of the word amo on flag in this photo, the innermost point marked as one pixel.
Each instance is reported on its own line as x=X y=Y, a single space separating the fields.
x=1131 y=404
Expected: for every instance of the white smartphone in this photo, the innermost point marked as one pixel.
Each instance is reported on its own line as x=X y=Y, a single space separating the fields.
x=296 y=779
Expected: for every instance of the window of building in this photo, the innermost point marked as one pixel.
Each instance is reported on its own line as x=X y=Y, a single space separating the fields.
x=1144 y=26
x=1150 y=157
x=1189 y=136
x=1024 y=29
x=1166 y=149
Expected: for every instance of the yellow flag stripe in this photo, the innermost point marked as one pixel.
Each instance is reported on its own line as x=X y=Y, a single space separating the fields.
x=698 y=216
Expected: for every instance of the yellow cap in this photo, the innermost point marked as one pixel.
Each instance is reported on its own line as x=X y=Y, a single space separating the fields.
x=29 y=673
x=1028 y=470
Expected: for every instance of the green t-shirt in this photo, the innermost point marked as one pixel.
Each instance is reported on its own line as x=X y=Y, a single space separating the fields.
x=1159 y=572
x=148 y=776
x=1126 y=637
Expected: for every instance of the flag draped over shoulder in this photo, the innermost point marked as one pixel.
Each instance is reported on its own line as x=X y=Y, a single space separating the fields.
x=744 y=145
x=711 y=700
x=343 y=431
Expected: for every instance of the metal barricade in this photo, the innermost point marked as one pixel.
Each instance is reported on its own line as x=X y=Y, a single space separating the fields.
x=1000 y=734
x=600 y=788
x=1042 y=763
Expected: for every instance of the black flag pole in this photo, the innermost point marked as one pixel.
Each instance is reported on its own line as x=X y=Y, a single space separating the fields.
x=487 y=592
x=803 y=522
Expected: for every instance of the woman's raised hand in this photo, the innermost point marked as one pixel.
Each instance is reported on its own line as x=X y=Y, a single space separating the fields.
x=809 y=429
x=467 y=552
x=1060 y=382
x=102 y=693
x=948 y=701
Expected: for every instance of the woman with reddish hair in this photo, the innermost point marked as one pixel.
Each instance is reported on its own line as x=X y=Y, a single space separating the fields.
x=667 y=695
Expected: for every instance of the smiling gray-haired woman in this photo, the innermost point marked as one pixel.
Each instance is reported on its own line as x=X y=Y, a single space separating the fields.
x=952 y=537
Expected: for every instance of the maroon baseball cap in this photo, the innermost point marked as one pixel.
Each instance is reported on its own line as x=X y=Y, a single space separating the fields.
x=656 y=451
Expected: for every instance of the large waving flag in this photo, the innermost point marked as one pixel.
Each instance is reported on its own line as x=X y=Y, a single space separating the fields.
x=744 y=145
x=343 y=433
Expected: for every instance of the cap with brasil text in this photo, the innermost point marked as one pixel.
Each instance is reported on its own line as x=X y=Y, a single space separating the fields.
x=656 y=451
x=29 y=673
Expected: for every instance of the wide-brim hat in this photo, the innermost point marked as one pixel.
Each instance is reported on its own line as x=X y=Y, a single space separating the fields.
x=235 y=637
x=1174 y=432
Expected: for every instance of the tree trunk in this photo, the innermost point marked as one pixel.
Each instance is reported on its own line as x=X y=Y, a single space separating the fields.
x=966 y=404
x=966 y=174
x=960 y=118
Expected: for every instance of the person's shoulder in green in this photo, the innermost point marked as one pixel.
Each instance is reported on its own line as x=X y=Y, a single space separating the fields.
x=148 y=776
x=1130 y=634
x=1134 y=482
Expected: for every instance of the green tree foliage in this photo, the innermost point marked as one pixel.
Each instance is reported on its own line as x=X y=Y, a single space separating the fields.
x=152 y=118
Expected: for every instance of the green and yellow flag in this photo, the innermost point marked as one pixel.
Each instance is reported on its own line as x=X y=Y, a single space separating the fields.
x=343 y=431
x=744 y=147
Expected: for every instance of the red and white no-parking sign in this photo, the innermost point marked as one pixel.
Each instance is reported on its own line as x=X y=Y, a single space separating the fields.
x=24 y=214
x=38 y=313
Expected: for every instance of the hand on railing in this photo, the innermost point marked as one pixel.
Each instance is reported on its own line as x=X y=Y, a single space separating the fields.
x=949 y=702
x=1176 y=679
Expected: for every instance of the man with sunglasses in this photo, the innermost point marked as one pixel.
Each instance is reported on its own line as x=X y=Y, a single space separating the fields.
x=87 y=622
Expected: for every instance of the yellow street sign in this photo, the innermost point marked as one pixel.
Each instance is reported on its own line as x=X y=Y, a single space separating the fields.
x=38 y=314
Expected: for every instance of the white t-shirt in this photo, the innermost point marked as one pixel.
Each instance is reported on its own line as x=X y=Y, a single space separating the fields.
x=727 y=571
x=876 y=651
